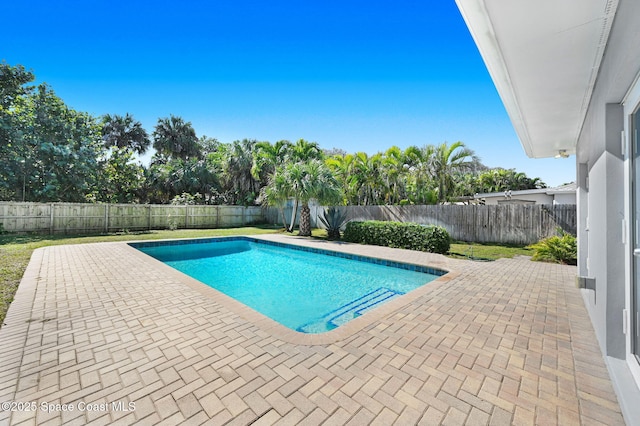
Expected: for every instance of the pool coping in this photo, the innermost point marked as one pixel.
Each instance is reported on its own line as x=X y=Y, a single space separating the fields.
x=273 y=327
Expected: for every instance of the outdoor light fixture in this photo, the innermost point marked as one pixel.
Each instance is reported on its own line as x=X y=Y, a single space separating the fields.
x=562 y=154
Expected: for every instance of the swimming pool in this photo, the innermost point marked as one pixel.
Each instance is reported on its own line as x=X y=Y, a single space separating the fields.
x=305 y=289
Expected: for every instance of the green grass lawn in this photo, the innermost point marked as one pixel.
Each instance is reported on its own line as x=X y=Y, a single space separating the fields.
x=464 y=250
x=16 y=250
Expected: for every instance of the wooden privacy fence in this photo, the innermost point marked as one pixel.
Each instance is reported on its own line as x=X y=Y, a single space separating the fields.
x=506 y=224
x=511 y=224
x=77 y=218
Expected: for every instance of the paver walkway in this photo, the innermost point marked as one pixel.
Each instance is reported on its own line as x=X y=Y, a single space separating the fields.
x=103 y=332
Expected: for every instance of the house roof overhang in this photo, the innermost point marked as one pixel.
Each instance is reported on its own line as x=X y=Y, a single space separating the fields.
x=543 y=57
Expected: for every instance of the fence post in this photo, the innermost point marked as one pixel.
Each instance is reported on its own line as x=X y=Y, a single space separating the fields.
x=106 y=218
x=51 y=217
x=149 y=217
x=186 y=216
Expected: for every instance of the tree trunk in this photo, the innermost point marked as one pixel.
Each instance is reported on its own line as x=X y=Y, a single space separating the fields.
x=284 y=219
x=293 y=215
x=305 y=221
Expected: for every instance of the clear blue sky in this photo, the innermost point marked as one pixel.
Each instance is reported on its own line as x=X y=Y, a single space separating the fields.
x=356 y=75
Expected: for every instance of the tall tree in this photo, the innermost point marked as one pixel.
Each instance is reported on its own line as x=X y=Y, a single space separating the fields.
x=48 y=151
x=394 y=175
x=168 y=179
x=448 y=159
x=303 y=151
x=498 y=180
x=369 y=182
x=420 y=184
x=216 y=155
x=13 y=119
x=13 y=80
x=175 y=138
x=267 y=156
x=342 y=166
x=124 y=132
x=319 y=184
x=302 y=182
x=276 y=192
x=243 y=186
x=120 y=179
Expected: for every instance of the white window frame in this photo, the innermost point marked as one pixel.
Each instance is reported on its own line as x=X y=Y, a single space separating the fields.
x=631 y=104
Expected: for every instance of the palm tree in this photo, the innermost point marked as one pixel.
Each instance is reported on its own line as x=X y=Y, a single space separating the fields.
x=277 y=192
x=394 y=172
x=494 y=180
x=342 y=167
x=319 y=184
x=446 y=160
x=173 y=137
x=537 y=183
x=420 y=186
x=467 y=184
x=294 y=175
x=124 y=132
x=267 y=157
x=367 y=175
x=499 y=179
x=238 y=165
x=302 y=182
x=303 y=151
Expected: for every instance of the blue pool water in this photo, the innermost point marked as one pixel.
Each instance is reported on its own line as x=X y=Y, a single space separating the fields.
x=308 y=291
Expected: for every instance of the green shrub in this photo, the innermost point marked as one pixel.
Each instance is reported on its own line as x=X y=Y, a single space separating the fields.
x=187 y=199
x=561 y=248
x=412 y=236
x=333 y=219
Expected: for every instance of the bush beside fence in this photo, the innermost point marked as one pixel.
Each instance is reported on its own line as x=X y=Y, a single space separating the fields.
x=412 y=236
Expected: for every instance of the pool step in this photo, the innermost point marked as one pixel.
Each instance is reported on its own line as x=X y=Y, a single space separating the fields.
x=349 y=311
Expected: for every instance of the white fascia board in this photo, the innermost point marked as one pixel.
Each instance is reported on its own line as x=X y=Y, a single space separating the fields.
x=478 y=21
x=513 y=193
x=544 y=58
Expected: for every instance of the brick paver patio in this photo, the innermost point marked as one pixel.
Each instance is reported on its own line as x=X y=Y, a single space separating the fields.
x=102 y=334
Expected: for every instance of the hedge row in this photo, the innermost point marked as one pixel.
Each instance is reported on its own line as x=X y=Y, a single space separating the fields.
x=412 y=236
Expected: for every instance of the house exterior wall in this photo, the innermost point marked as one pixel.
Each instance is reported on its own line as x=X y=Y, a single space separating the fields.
x=539 y=198
x=606 y=253
x=603 y=206
x=600 y=150
x=564 y=198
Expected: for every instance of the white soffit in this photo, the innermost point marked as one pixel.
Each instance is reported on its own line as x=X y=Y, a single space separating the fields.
x=543 y=57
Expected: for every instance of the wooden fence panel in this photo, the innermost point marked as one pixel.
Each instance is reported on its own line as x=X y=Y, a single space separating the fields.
x=79 y=218
x=253 y=215
x=25 y=217
x=202 y=217
x=230 y=216
x=133 y=217
x=516 y=224
x=506 y=223
x=72 y=218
